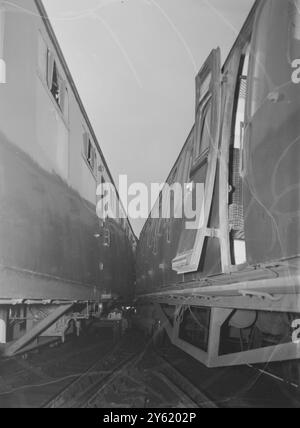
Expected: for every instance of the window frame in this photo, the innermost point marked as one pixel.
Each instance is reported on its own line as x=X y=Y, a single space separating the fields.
x=63 y=107
x=88 y=144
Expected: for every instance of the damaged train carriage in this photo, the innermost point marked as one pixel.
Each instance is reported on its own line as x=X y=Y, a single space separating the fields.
x=227 y=293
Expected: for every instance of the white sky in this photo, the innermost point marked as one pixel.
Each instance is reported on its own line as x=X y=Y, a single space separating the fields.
x=134 y=63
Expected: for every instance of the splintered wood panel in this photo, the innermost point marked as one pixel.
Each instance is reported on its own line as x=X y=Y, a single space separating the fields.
x=206 y=146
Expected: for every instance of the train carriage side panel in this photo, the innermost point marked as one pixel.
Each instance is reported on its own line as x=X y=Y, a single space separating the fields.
x=160 y=238
x=272 y=150
x=49 y=232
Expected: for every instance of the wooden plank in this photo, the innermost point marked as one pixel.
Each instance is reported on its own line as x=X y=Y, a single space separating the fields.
x=189 y=261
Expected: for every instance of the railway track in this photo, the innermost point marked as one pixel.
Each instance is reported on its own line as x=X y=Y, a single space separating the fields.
x=31 y=382
x=86 y=384
x=182 y=384
x=23 y=366
x=122 y=380
x=94 y=373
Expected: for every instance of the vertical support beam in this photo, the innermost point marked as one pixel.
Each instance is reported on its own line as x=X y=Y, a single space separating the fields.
x=218 y=317
x=2 y=35
x=164 y=320
x=3 y=325
x=177 y=322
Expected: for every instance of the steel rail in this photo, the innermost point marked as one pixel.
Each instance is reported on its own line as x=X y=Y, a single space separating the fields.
x=91 y=380
x=181 y=385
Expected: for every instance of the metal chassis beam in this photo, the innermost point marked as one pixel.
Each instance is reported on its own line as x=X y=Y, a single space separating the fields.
x=13 y=348
x=211 y=359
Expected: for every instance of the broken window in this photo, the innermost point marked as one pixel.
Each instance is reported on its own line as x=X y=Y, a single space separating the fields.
x=91 y=156
x=90 y=153
x=236 y=202
x=50 y=74
x=57 y=85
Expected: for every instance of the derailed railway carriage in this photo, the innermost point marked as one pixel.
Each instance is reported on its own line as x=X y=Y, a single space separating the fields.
x=58 y=261
x=227 y=293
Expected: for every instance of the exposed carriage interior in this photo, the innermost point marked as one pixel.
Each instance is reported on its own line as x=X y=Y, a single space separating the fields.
x=233 y=283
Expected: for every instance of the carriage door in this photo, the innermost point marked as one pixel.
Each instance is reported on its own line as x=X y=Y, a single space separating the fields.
x=204 y=166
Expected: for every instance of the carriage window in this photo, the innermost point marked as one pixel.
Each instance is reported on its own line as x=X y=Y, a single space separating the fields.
x=89 y=153
x=91 y=156
x=236 y=202
x=57 y=85
x=49 y=72
x=241 y=101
